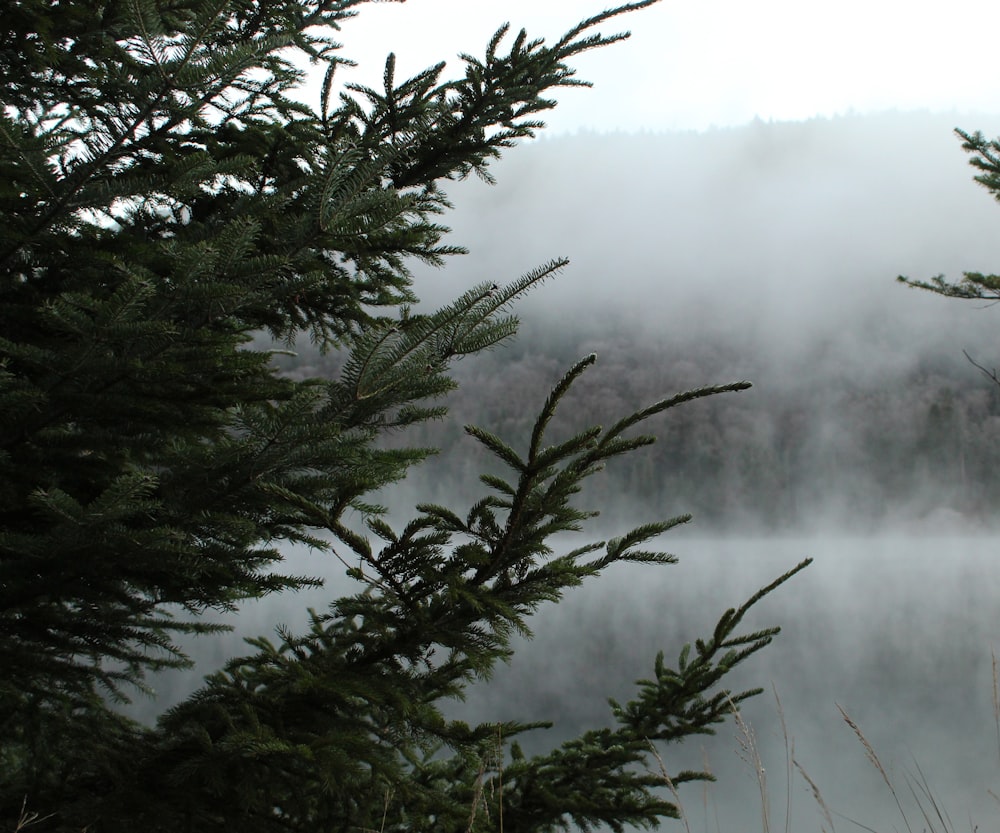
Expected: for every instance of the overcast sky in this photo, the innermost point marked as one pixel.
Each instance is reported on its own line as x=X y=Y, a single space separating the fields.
x=699 y=63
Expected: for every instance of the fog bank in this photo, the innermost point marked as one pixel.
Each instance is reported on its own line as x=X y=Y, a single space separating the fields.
x=767 y=252
x=897 y=631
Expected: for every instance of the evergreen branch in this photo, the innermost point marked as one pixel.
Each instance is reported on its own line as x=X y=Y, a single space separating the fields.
x=498 y=483
x=973 y=285
x=567 y=40
x=138 y=10
x=767 y=589
x=620 y=549
x=665 y=404
x=36 y=170
x=548 y=409
x=600 y=777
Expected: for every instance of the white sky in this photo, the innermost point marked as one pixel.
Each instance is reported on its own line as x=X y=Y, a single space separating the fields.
x=699 y=63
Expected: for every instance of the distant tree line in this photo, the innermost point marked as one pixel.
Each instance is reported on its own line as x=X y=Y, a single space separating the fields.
x=796 y=452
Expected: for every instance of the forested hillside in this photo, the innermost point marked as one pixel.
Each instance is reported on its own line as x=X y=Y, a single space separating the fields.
x=781 y=271
x=913 y=449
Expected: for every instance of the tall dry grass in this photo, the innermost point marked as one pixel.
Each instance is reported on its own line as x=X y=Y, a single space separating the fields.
x=927 y=812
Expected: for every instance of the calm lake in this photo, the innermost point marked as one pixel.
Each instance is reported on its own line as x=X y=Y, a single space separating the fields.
x=898 y=630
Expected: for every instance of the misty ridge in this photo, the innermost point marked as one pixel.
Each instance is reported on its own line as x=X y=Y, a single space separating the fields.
x=767 y=253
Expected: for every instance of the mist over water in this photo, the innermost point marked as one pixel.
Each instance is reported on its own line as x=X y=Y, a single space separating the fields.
x=896 y=630
x=782 y=243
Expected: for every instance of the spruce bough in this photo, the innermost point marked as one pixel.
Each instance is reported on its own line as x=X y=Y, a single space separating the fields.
x=975 y=286
x=164 y=199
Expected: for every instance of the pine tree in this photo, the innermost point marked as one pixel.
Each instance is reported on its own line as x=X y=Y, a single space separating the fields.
x=972 y=285
x=164 y=200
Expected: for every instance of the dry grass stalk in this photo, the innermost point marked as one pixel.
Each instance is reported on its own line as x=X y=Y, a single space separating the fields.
x=480 y=776
x=751 y=755
x=499 y=751
x=939 y=813
x=996 y=698
x=817 y=796
x=670 y=785
x=27 y=817
x=385 y=808
x=477 y=796
x=875 y=762
x=996 y=711
x=385 y=813
x=789 y=757
x=706 y=767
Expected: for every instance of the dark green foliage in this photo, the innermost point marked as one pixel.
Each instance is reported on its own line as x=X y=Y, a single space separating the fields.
x=973 y=285
x=163 y=201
